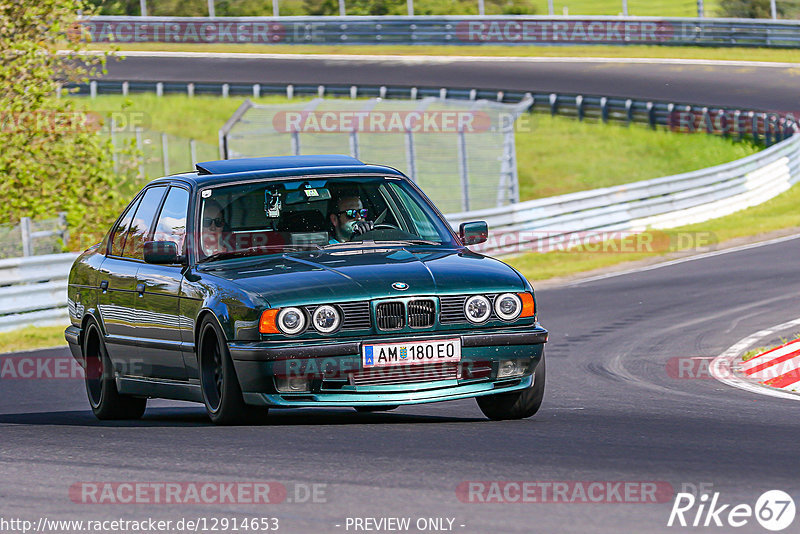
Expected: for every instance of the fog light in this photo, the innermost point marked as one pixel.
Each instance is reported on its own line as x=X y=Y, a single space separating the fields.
x=292 y=384
x=511 y=368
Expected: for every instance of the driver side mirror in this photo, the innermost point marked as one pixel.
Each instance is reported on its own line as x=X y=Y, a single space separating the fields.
x=473 y=233
x=161 y=252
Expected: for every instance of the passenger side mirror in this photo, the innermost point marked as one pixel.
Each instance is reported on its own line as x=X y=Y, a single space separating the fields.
x=161 y=252
x=473 y=233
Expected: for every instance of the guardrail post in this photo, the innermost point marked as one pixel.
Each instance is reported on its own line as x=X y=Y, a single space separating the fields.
x=62 y=222
x=629 y=111
x=256 y=90
x=411 y=156
x=707 y=121
x=604 y=109
x=579 y=106
x=413 y=93
x=93 y=89
x=165 y=153
x=499 y=96
x=754 y=126
x=382 y=91
x=160 y=89
x=553 y=103
x=463 y=171
x=737 y=124
x=290 y=91
x=320 y=91
x=473 y=94
x=651 y=115
x=354 y=144
x=353 y=91
x=125 y=88
x=190 y=90
x=27 y=240
x=295 y=143
x=443 y=93
x=225 y=90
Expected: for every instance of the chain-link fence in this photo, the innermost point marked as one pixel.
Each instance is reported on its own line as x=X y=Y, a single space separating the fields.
x=33 y=237
x=462 y=153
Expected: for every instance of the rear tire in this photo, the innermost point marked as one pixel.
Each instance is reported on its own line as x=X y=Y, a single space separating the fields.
x=222 y=394
x=101 y=388
x=517 y=404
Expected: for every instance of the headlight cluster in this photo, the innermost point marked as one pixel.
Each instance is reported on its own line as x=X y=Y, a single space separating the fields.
x=324 y=319
x=508 y=307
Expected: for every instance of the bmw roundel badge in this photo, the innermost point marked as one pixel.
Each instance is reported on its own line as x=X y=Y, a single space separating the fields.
x=400 y=286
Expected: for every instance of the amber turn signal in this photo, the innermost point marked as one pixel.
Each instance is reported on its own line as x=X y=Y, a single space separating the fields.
x=268 y=324
x=528 y=306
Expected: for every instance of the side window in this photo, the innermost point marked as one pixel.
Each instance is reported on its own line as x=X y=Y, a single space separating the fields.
x=118 y=239
x=171 y=224
x=424 y=227
x=140 y=226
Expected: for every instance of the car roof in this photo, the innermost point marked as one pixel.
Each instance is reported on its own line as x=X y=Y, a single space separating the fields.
x=237 y=170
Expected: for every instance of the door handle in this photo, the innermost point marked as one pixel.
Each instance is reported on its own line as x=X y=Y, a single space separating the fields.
x=104 y=285
x=140 y=289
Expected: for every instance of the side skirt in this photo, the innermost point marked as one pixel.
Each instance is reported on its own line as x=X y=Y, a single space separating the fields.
x=162 y=389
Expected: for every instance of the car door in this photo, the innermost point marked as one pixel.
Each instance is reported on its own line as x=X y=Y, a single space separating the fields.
x=117 y=284
x=157 y=305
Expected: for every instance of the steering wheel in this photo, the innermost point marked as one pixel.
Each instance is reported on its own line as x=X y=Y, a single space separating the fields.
x=384 y=226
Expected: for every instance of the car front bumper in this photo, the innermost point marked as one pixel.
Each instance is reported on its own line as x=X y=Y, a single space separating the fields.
x=257 y=363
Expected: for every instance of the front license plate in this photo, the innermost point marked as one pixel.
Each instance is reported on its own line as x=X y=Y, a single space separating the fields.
x=410 y=353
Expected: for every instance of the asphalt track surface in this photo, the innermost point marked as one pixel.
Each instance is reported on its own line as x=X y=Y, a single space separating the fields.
x=732 y=85
x=612 y=412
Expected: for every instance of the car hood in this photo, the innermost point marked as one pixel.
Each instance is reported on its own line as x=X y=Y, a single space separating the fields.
x=363 y=274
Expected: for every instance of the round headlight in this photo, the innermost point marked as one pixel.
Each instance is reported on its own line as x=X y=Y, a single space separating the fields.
x=291 y=320
x=326 y=319
x=508 y=306
x=477 y=309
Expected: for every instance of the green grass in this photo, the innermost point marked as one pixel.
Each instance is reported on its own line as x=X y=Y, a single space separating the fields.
x=776 y=214
x=32 y=337
x=608 y=51
x=600 y=155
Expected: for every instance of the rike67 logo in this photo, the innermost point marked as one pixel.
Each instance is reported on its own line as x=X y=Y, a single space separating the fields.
x=774 y=510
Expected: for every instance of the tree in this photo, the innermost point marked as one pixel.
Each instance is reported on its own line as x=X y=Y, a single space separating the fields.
x=52 y=159
x=748 y=9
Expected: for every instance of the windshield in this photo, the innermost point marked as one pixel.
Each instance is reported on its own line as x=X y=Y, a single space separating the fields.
x=275 y=217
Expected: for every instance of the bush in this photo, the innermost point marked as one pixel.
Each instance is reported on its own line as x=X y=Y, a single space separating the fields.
x=748 y=9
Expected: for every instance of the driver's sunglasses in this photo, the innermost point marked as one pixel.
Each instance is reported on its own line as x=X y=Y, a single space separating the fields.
x=354 y=213
x=218 y=222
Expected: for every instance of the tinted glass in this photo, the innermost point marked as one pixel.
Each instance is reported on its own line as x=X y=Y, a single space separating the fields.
x=277 y=217
x=171 y=224
x=140 y=226
x=121 y=231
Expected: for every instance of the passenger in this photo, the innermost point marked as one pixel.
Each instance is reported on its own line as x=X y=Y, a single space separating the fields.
x=212 y=240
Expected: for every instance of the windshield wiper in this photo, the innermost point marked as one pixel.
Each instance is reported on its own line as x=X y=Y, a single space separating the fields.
x=257 y=251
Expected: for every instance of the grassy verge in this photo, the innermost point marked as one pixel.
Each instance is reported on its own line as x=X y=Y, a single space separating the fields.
x=776 y=214
x=32 y=337
x=600 y=155
x=609 y=51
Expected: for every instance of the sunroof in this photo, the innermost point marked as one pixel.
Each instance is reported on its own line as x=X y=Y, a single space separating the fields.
x=227 y=166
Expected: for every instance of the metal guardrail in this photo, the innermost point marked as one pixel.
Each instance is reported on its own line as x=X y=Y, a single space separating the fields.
x=33 y=290
x=448 y=30
x=766 y=127
x=659 y=203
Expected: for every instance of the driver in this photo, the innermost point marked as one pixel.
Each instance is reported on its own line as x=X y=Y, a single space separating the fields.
x=348 y=219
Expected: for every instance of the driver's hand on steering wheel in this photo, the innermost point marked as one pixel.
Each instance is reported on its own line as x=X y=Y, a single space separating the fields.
x=362 y=227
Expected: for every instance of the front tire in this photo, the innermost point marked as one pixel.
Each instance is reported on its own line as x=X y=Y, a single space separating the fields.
x=222 y=394
x=101 y=388
x=517 y=404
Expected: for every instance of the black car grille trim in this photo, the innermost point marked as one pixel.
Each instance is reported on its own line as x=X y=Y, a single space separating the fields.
x=452 y=308
x=421 y=313
x=355 y=315
x=390 y=315
x=405 y=374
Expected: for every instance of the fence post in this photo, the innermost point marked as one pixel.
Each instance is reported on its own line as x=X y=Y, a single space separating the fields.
x=550 y=8
x=192 y=152
x=463 y=171
x=62 y=222
x=481 y=8
x=624 y=8
x=411 y=156
x=165 y=153
x=354 y=144
x=295 y=143
x=114 y=156
x=140 y=150
x=25 y=230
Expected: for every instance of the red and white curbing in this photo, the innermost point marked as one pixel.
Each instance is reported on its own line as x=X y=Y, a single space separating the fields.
x=777 y=368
